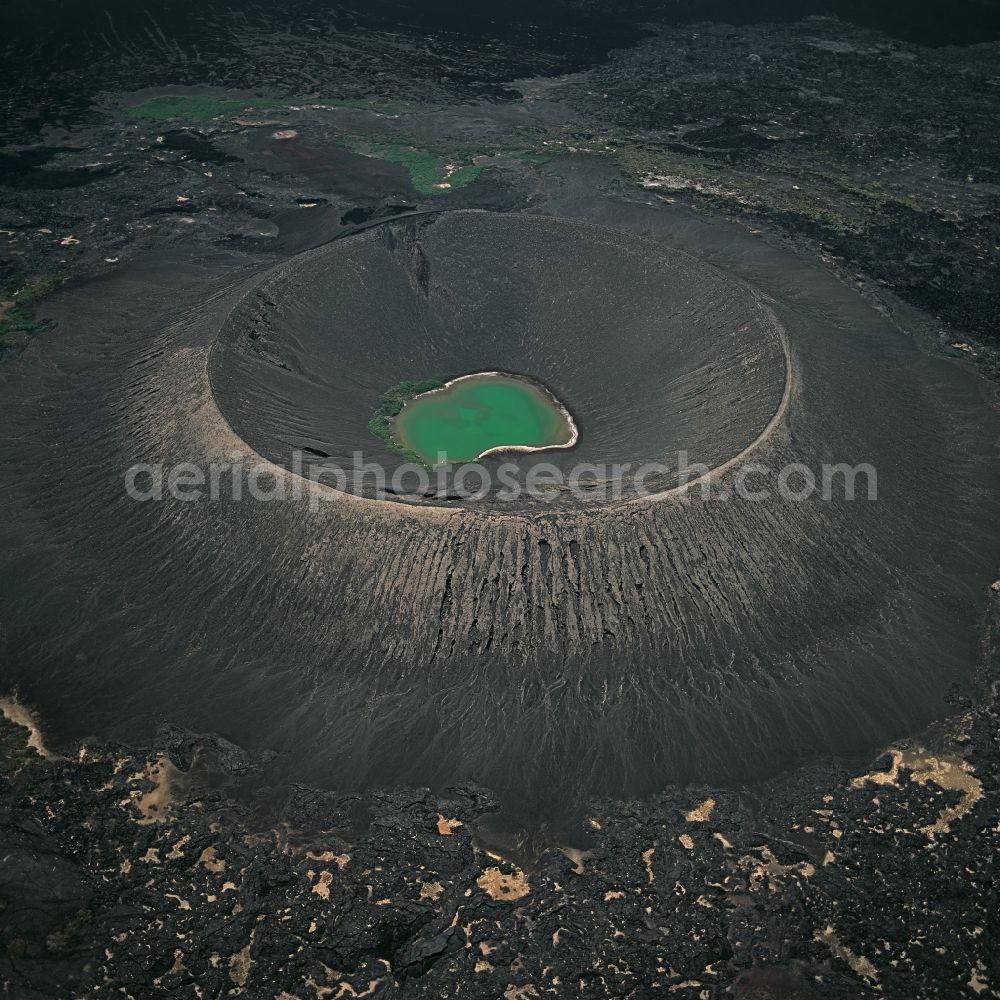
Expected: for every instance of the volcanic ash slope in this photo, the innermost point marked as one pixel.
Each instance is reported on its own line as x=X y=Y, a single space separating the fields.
x=596 y=647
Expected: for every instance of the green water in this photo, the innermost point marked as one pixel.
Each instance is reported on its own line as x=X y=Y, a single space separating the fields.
x=479 y=413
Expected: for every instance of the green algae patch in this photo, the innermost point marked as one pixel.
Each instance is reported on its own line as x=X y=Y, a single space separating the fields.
x=429 y=172
x=393 y=400
x=476 y=415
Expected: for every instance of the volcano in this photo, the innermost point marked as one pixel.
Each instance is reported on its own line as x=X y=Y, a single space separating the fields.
x=603 y=640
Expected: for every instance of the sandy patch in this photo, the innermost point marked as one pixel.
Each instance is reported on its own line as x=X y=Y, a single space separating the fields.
x=500 y=885
x=15 y=712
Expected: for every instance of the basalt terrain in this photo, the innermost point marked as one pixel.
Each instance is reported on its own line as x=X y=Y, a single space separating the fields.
x=341 y=743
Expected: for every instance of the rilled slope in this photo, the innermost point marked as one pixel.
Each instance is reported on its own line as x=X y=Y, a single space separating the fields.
x=586 y=647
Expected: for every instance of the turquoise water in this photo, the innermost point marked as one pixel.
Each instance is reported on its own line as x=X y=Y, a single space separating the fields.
x=478 y=413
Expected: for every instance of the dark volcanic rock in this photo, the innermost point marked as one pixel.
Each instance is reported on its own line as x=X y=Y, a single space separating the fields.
x=872 y=146
x=818 y=885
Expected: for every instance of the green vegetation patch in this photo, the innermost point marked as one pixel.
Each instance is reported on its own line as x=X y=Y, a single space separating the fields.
x=429 y=172
x=425 y=169
x=435 y=166
x=17 y=302
x=393 y=400
x=461 y=176
x=440 y=165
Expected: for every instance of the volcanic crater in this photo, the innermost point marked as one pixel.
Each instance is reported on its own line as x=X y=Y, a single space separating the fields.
x=576 y=646
x=653 y=352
